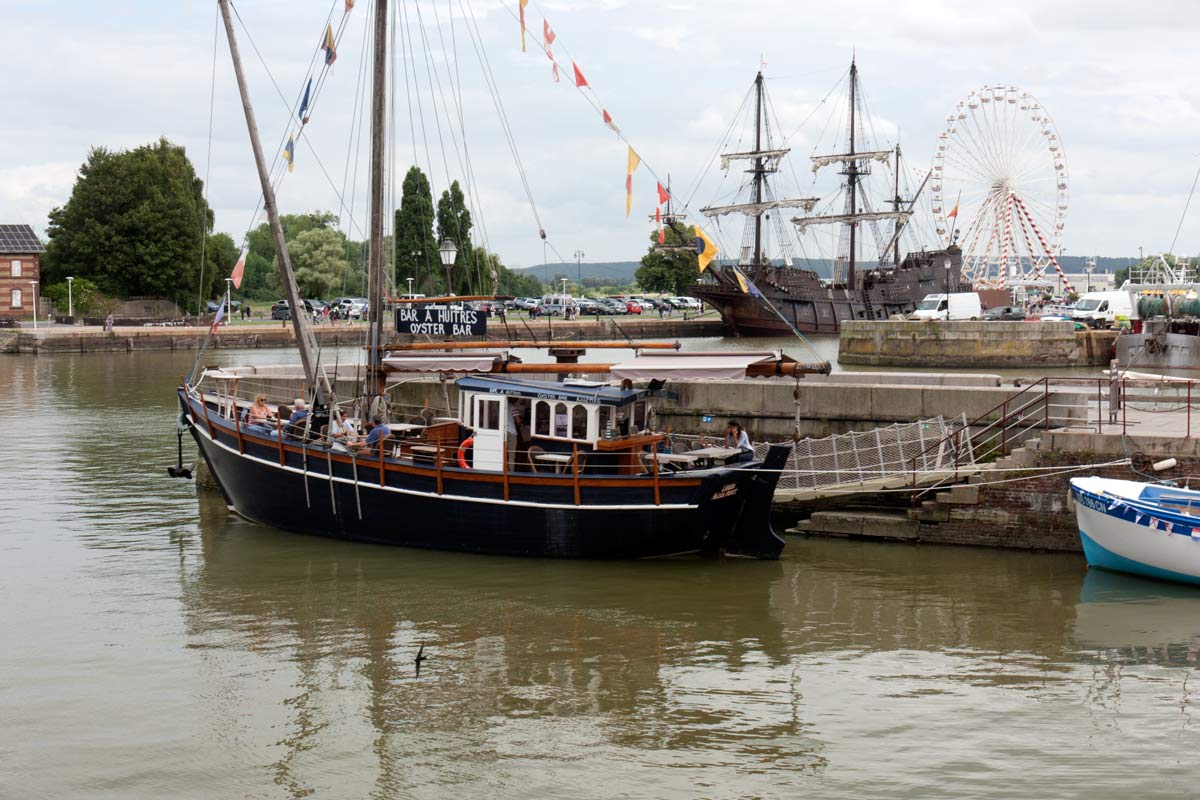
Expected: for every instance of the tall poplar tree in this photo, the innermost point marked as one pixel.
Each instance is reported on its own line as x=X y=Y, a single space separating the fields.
x=416 y=246
x=454 y=223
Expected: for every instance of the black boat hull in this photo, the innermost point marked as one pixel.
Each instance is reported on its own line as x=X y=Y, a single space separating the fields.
x=314 y=492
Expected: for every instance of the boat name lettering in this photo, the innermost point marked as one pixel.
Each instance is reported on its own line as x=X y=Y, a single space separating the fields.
x=1092 y=502
x=727 y=490
x=439 y=320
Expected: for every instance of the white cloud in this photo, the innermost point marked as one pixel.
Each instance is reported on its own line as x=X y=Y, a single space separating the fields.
x=1121 y=93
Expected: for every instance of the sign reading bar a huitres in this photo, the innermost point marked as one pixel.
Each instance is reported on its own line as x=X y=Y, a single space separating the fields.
x=439 y=320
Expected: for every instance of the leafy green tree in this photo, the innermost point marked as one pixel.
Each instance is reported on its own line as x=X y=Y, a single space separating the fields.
x=671 y=271
x=318 y=259
x=261 y=278
x=220 y=257
x=134 y=224
x=416 y=247
x=517 y=283
x=454 y=223
x=82 y=296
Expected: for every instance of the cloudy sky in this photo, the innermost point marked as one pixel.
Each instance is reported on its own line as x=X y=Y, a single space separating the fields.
x=1117 y=78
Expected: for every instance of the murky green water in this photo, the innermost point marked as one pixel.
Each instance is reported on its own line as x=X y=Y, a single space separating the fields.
x=153 y=646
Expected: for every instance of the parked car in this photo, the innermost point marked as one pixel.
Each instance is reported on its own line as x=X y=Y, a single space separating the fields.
x=280 y=310
x=315 y=306
x=1007 y=313
x=955 y=306
x=633 y=306
x=353 y=307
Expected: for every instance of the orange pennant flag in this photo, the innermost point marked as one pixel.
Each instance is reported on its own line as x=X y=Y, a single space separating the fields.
x=522 y=4
x=579 y=79
x=631 y=165
x=608 y=120
x=663 y=194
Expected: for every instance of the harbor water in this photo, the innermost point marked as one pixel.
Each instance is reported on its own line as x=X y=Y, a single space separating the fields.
x=156 y=646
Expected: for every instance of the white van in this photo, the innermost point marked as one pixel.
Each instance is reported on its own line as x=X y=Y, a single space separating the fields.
x=1100 y=309
x=960 y=305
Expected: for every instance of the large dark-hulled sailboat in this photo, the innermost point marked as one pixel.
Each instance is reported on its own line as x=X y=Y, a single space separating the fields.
x=793 y=297
x=594 y=485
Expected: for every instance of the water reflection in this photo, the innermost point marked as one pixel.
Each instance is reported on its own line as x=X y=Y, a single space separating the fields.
x=255 y=662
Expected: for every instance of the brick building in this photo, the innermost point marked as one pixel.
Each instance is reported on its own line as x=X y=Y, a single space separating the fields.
x=20 y=266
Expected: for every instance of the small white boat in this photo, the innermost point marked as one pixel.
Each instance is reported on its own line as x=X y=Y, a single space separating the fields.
x=1139 y=528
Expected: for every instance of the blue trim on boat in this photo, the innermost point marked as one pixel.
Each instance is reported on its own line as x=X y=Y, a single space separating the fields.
x=1100 y=556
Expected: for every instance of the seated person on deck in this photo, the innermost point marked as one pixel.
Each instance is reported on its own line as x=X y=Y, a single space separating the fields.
x=298 y=420
x=376 y=431
x=258 y=413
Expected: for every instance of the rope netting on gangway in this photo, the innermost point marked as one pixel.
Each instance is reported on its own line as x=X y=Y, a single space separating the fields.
x=908 y=450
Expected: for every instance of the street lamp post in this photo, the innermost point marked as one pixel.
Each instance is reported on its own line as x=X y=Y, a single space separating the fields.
x=410 y=283
x=579 y=269
x=70 y=301
x=34 y=285
x=447 y=252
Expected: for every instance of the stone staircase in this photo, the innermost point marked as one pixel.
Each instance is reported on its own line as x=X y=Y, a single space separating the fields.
x=906 y=524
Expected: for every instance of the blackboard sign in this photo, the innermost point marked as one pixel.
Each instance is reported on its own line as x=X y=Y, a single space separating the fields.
x=439 y=320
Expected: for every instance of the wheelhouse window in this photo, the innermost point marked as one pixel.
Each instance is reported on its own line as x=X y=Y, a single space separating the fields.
x=541 y=418
x=16 y=268
x=488 y=416
x=15 y=299
x=560 y=420
x=606 y=418
x=639 y=415
x=579 y=422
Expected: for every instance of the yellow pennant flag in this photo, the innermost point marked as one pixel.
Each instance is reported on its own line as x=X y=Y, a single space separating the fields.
x=631 y=165
x=522 y=4
x=706 y=251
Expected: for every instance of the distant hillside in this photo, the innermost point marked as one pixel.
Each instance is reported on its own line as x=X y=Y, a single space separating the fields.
x=619 y=273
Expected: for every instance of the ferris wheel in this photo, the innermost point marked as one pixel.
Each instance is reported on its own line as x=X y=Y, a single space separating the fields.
x=999 y=187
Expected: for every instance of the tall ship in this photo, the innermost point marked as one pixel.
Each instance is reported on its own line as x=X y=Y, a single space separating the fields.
x=781 y=296
x=512 y=466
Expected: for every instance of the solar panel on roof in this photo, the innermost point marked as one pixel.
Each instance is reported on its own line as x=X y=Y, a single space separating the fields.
x=19 y=239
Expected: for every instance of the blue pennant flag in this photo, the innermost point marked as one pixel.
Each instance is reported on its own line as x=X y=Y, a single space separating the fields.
x=304 y=102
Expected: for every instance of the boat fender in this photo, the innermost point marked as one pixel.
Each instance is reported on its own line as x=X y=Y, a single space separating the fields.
x=181 y=422
x=1165 y=464
x=468 y=443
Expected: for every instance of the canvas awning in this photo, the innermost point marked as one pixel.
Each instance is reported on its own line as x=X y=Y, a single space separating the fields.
x=716 y=366
x=440 y=362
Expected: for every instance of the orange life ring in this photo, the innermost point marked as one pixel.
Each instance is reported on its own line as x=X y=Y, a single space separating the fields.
x=462 y=451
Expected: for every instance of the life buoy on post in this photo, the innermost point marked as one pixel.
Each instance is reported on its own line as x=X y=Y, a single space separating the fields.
x=469 y=442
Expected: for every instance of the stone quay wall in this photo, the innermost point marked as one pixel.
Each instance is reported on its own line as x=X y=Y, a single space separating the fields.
x=972 y=344
x=127 y=339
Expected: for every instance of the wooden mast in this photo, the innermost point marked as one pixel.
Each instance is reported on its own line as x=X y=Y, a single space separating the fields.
x=375 y=286
x=852 y=174
x=313 y=372
x=758 y=170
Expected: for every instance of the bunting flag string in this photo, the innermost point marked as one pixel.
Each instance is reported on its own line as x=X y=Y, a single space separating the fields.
x=239 y=269
x=304 y=103
x=608 y=120
x=330 y=46
x=289 y=152
x=631 y=164
x=522 y=4
x=548 y=37
x=706 y=251
x=580 y=81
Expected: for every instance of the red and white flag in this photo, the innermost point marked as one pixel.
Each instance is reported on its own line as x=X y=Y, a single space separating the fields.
x=663 y=194
x=662 y=234
x=238 y=270
x=579 y=79
x=548 y=37
x=608 y=120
